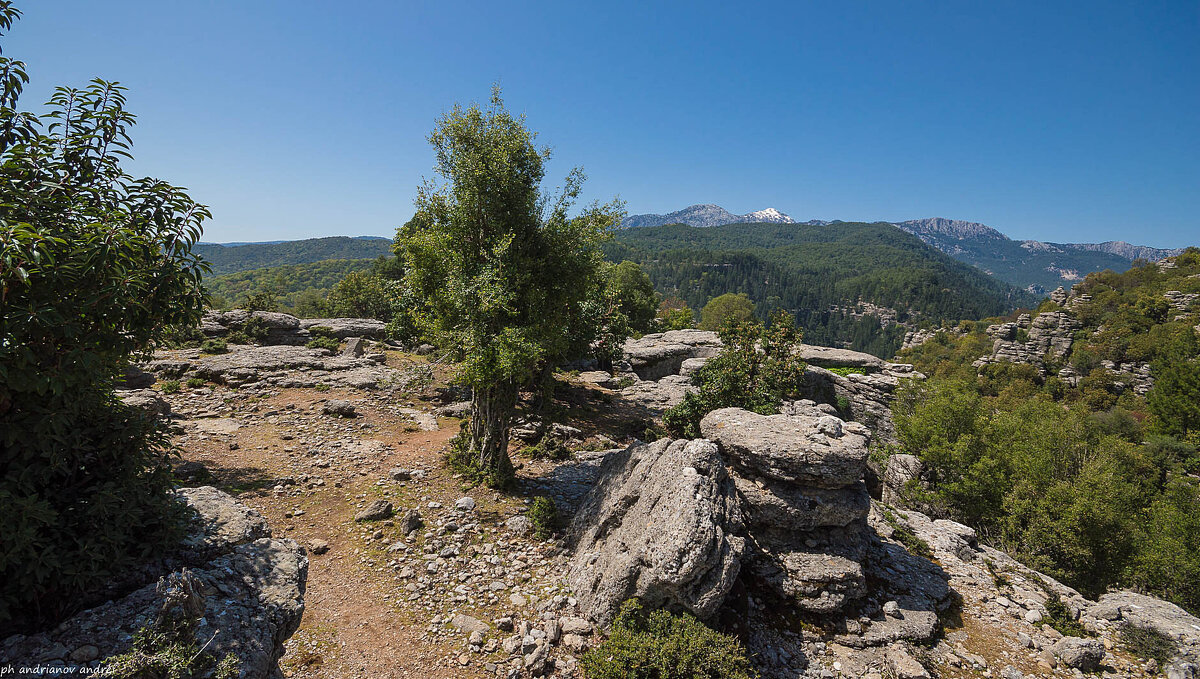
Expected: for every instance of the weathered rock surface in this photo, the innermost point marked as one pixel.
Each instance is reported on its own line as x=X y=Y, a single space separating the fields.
x=790 y=448
x=278 y=366
x=146 y=399
x=287 y=329
x=657 y=355
x=249 y=594
x=663 y=524
x=832 y=357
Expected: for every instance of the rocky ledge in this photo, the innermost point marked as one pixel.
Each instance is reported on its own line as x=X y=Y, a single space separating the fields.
x=246 y=588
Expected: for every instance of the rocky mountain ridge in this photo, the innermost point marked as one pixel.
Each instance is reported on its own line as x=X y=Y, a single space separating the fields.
x=1032 y=264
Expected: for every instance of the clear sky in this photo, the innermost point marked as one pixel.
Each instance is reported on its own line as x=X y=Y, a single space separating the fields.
x=1071 y=121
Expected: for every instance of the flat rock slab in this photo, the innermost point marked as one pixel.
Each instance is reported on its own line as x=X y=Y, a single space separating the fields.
x=216 y=425
x=830 y=357
x=796 y=448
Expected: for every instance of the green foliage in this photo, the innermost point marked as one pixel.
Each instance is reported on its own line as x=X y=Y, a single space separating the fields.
x=1060 y=618
x=634 y=295
x=1148 y=643
x=658 y=645
x=756 y=369
x=543 y=514
x=299 y=289
x=500 y=267
x=911 y=541
x=806 y=270
x=330 y=343
x=214 y=346
x=94 y=265
x=549 y=448
x=364 y=295
x=265 y=299
x=1175 y=398
x=170 y=387
x=674 y=314
x=847 y=370
x=195 y=383
x=156 y=655
x=720 y=310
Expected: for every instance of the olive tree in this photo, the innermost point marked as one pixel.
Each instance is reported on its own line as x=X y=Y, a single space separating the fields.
x=502 y=267
x=94 y=265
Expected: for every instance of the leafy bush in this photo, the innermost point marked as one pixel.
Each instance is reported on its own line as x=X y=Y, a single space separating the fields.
x=634 y=294
x=1148 y=643
x=330 y=343
x=195 y=383
x=756 y=369
x=214 y=346
x=674 y=314
x=170 y=387
x=549 y=448
x=543 y=513
x=94 y=265
x=1060 y=618
x=659 y=645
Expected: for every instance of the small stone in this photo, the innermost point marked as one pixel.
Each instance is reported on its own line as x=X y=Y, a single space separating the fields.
x=377 y=510
x=466 y=623
x=892 y=609
x=1033 y=616
x=339 y=408
x=520 y=524
x=85 y=654
x=476 y=638
x=399 y=474
x=465 y=504
x=318 y=546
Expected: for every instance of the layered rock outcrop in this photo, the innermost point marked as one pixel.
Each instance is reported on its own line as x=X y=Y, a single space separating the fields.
x=287 y=329
x=276 y=366
x=800 y=481
x=245 y=588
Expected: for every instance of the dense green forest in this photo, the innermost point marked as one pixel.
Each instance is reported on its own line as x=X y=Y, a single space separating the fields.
x=295 y=287
x=230 y=259
x=1077 y=472
x=805 y=270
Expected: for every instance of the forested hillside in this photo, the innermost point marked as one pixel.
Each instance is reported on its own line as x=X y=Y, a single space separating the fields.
x=807 y=270
x=229 y=259
x=1069 y=438
x=291 y=285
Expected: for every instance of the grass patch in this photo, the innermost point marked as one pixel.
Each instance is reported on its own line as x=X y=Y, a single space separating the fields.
x=330 y=343
x=549 y=448
x=195 y=383
x=170 y=387
x=659 y=645
x=214 y=346
x=902 y=534
x=847 y=370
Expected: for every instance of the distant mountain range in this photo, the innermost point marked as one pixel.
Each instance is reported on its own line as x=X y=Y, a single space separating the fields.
x=1034 y=265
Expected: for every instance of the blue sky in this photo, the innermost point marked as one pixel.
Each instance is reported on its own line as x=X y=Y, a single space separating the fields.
x=1057 y=121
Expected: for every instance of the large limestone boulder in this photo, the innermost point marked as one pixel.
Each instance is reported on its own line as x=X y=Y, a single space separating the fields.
x=349 y=327
x=821 y=452
x=657 y=355
x=662 y=523
x=770 y=504
x=832 y=357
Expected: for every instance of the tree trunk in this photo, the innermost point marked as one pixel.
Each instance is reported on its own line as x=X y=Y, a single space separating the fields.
x=491 y=414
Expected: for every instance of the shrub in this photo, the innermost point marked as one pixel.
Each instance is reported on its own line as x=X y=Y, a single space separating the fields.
x=1060 y=618
x=756 y=370
x=330 y=343
x=549 y=448
x=214 y=346
x=94 y=265
x=659 y=645
x=1149 y=644
x=256 y=329
x=543 y=513
x=721 y=310
x=170 y=386
x=195 y=383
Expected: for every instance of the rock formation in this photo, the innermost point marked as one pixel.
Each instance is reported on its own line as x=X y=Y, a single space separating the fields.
x=287 y=329
x=245 y=587
x=663 y=524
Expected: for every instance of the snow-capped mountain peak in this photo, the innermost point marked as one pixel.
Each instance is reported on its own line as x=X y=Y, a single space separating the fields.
x=769 y=215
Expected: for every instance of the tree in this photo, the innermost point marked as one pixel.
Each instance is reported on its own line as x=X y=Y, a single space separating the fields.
x=1175 y=398
x=501 y=265
x=364 y=295
x=94 y=265
x=675 y=314
x=730 y=306
x=634 y=294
